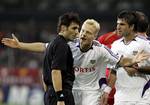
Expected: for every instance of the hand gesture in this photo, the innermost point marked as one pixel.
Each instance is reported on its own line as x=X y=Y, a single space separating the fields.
x=11 y=42
x=140 y=56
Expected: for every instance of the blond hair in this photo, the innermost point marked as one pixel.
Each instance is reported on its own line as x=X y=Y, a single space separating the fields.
x=93 y=23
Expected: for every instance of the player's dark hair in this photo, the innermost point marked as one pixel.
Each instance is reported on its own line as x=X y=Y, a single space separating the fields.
x=130 y=17
x=67 y=18
x=143 y=23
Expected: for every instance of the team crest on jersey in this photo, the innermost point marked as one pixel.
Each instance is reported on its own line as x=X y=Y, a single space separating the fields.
x=92 y=61
x=135 y=52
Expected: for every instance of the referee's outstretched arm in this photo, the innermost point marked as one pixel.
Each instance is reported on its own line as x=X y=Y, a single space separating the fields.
x=15 y=43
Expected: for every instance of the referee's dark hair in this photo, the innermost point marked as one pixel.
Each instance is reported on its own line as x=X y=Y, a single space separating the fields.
x=66 y=19
x=143 y=23
x=130 y=17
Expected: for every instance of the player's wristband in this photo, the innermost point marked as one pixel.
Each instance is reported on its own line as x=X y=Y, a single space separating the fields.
x=107 y=89
x=103 y=86
x=60 y=95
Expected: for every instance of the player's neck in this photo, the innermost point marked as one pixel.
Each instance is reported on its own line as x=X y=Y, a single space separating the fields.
x=129 y=37
x=85 y=48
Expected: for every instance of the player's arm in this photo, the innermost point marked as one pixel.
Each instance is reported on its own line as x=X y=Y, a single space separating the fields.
x=57 y=80
x=110 y=84
x=36 y=47
x=111 y=81
x=145 y=69
x=131 y=70
x=57 y=84
x=140 y=56
x=112 y=78
x=15 y=43
x=123 y=61
x=135 y=69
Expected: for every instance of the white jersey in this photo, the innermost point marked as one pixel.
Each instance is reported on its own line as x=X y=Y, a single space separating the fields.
x=146 y=89
x=129 y=88
x=90 y=66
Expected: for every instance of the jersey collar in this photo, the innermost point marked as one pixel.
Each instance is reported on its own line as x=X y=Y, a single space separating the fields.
x=122 y=40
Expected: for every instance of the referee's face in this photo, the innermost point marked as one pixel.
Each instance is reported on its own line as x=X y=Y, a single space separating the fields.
x=72 y=31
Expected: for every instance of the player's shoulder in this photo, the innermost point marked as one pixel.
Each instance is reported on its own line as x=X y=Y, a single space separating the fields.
x=142 y=39
x=59 y=41
x=96 y=43
x=97 y=46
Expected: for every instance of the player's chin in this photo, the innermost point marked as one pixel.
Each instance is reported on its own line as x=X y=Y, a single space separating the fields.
x=85 y=42
x=71 y=39
x=119 y=32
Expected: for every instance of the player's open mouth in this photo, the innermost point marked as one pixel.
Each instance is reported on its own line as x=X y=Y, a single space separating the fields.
x=83 y=39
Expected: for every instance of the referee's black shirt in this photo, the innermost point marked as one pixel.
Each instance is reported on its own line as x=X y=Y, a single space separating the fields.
x=58 y=55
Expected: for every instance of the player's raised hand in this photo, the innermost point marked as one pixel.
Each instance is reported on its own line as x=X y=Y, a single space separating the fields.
x=140 y=56
x=11 y=42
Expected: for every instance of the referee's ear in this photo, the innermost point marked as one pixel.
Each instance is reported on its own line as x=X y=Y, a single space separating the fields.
x=63 y=28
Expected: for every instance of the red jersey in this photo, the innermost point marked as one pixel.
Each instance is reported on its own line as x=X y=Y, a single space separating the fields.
x=108 y=38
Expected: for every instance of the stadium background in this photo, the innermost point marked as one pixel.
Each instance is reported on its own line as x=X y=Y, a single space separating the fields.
x=36 y=20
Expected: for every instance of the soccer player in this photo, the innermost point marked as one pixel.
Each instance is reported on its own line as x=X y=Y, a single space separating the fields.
x=128 y=89
x=90 y=61
x=142 y=27
x=107 y=39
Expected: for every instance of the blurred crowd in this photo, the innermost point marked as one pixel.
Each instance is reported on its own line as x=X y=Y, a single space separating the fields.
x=20 y=86
x=82 y=5
x=28 y=31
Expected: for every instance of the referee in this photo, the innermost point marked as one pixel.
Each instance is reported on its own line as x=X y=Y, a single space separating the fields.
x=58 y=73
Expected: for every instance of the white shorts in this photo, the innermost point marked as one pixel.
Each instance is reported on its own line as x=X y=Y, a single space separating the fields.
x=86 y=97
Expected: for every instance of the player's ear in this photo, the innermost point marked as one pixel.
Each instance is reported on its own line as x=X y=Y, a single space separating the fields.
x=132 y=27
x=63 y=28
